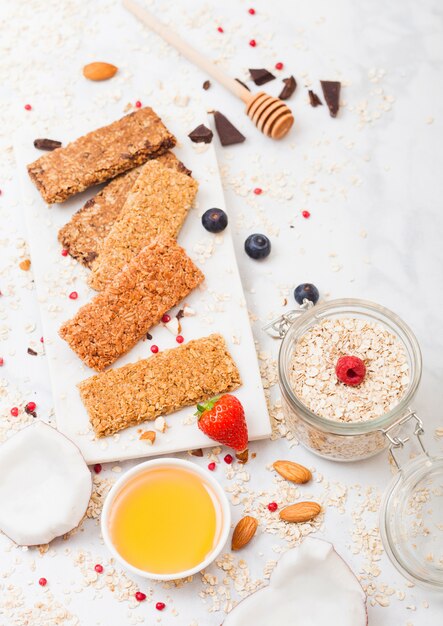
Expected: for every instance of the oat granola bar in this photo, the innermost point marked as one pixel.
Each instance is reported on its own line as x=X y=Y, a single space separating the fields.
x=152 y=283
x=86 y=230
x=100 y=155
x=157 y=205
x=160 y=385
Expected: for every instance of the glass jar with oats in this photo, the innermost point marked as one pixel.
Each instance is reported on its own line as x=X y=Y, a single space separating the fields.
x=348 y=370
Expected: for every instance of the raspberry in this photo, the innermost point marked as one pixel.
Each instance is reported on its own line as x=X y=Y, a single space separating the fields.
x=350 y=370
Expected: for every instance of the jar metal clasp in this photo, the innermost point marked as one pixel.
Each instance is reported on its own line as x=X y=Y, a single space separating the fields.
x=397 y=442
x=280 y=325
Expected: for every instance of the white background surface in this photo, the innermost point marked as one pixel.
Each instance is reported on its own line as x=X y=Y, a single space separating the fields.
x=382 y=176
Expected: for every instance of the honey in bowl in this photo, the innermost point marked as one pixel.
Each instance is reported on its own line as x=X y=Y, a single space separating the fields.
x=165 y=520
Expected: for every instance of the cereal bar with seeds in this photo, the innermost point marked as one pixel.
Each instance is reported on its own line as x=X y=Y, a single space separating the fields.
x=157 y=279
x=100 y=155
x=159 y=385
x=88 y=227
x=157 y=205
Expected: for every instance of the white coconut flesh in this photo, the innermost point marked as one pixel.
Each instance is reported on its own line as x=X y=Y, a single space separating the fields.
x=45 y=485
x=310 y=586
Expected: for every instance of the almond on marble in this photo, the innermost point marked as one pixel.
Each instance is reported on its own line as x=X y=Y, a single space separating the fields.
x=99 y=71
x=243 y=532
x=300 y=512
x=293 y=471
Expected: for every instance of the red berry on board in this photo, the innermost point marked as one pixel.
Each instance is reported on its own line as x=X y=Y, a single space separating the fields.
x=160 y=606
x=2 y=361
x=179 y=339
x=138 y=104
x=42 y=339
x=154 y=349
x=73 y=295
x=228 y=459
x=14 y=411
x=211 y=466
x=42 y=582
x=31 y=406
x=65 y=252
x=306 y=214
x=166 y=318
x=140 y=596
x=258 y=191
x=97 y=468
x=279 y=66
x=251 y=11
x=273 y=506
x=222 y=418
x=220 y=29
x=28 y=107
x=98 y=568
x=350 y=370
x=252 y=43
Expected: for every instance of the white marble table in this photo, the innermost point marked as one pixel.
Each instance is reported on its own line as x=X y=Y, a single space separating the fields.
x=371 y=180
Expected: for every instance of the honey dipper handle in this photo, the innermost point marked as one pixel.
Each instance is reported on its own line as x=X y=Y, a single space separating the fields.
x=186 y=50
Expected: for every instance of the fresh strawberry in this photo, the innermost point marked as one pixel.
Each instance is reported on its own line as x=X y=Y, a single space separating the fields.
x=222 y=418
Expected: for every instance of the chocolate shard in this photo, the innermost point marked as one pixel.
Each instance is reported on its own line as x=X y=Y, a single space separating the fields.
x=206 y=85
x=227 y=133
x=331 y=92
x=314 y=100
x=47 y=144
x=261 y=76
x=289 y=88
x=242 y=84
x=201 y=134
x=32 y=352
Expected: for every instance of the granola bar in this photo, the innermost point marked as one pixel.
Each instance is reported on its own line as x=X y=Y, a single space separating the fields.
x=157 y=205
x=86 y=230
x=160 y=385
x=100 y=155
x=152 y=283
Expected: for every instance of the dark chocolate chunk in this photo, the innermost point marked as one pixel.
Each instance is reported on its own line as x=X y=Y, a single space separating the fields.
x=180 y=314
x=331 y=92
x=289 y=88
x=314 y=100
x=47 y=144
x=261 y=76
x=206 y=85
x=227 y=133
x=148 y=336
x=201 y=134
x=32 y=352
x=196 y=452
x=242 y=84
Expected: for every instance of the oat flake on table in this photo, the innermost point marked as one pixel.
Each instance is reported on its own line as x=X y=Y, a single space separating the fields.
x=312 y=369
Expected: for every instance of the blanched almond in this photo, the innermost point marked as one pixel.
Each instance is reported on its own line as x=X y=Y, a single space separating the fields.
x=148 y=436
x=293 y=471
x=243 y=532
x=99 y=71
x=300 y=512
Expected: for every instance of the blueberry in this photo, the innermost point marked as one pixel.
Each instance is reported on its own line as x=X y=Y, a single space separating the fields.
x=257 y=246
x=214 y=220
x=306 y=291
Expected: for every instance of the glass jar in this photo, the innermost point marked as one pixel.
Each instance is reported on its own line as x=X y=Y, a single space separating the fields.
x=341 y=441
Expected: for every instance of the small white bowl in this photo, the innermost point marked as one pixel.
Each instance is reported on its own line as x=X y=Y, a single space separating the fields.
x=168 y=462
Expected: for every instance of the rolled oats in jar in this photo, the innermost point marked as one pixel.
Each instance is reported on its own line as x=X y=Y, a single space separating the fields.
x=345 y=420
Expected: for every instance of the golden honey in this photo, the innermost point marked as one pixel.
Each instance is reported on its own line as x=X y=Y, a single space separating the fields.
x=165 y=520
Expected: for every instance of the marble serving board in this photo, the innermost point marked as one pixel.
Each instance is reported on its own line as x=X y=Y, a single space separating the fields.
x=219 y=306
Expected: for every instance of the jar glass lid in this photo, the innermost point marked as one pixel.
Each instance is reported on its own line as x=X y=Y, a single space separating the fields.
x=412 y=521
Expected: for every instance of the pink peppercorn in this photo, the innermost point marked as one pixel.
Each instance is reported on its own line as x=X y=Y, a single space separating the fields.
x=306 y=214
x=154 y=349
x=31 y=406
x=64 y=252
x=28 y=107
x=166 y=318
x=228 y=459
x=14 y=411
x=42 y=582
x=2 y=361
x=179 y=339
x=138 y=104
x=98 y=568
x=252 y=43
x=211 y=466
x=251 y=11
x=97 y=468
x=73 y=295
x=220 y=29
x=160 y=606
x=140 y=596
x=279 y=66
x=258 y=191
x=273 y=506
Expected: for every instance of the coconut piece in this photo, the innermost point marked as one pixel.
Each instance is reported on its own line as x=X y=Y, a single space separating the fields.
x=311 y=586
x=45 y=486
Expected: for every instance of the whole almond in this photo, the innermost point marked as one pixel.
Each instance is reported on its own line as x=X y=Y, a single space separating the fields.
x=99 y=71
x=243 y=532
x=293 y=471
x=300 y=512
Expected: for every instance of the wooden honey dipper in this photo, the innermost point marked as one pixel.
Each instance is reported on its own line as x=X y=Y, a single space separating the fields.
x=271 y=115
